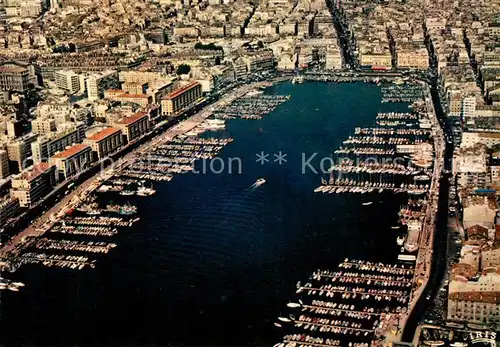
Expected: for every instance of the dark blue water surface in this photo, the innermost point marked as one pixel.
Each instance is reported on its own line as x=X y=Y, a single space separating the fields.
x=213 y=262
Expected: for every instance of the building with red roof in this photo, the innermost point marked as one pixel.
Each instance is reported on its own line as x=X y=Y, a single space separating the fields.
x=72 y=160
x=135 y=126
x=122 y=96
x=105 y=142
x=181 y=99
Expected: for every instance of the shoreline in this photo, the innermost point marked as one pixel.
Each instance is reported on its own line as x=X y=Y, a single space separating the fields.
x=90 y=184
x=45 y=221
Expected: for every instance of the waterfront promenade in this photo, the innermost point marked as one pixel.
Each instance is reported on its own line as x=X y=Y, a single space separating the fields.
x=426 y=240
x=84 y=189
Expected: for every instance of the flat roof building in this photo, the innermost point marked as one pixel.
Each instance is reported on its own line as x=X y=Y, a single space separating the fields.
x=72 y=161
x=31 y=185
x=67 y=80
x=14 y=76
x=134 y=127
x=105 y=142
x=180 y=99
x=98 y=83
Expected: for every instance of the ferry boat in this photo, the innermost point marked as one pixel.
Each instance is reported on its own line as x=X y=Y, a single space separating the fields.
x=193 y=133
x=103 y=189
x=411 y=243
x=367 y=203
x=255 y=93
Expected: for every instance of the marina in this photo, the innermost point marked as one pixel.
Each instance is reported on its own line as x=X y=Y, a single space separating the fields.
x=252 y=106
x=372 y=299
x=351 y=306
x=74 y=253
x=388 y=157
x=202 y=252
x=403 y=92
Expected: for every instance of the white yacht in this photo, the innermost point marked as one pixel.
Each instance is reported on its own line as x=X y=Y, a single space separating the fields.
x=144 y=191
x=213 y=124
x=258 y=183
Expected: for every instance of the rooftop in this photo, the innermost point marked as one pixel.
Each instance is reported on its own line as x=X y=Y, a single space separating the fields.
x=101 y=135
x=486 y=297
x=12 y=69
x=133 y=96
x=182 y=90
x=132 y=119
x=34 y=172
x=73 y=150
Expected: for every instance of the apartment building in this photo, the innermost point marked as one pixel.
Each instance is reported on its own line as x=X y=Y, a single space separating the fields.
x=31 y=185
x=376 y=59
x=4 y=164
x=413 y=59
x=97 y=83
x=43 y=126
x=46 y=146
x=474 y=307
x=181 y=99
x=14 y=76
x=105 y=142
x=133 y=127
x=9 y=208
x=72 y=161
x=67 y=80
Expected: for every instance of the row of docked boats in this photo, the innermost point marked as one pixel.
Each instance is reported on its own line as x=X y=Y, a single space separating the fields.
x=389 y=131
x=84 y=230
x=388 y=157
x=352 y=186
x=397 y=115
x=377 y=140
x=253 y=106
x=405 y=92
x=71 y=245
x=178 y=156
x=87 y=220
x=368 y=300
x=376 y=168
x=73 y=262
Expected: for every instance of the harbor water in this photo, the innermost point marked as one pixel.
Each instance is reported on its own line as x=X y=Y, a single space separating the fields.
x=213 y=261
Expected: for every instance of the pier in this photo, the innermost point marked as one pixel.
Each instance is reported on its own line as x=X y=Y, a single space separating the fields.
x=367 y=302
x=405 y=152
x=50 y=221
